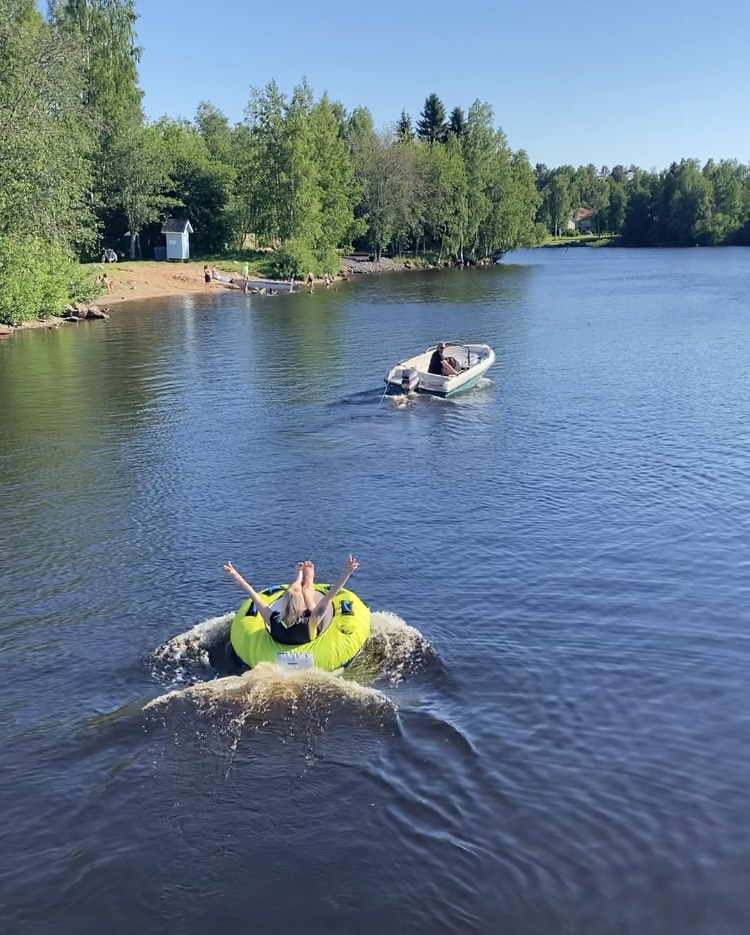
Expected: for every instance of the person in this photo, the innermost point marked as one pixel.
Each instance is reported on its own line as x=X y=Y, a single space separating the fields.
x=206 y=278
x=442 y=365
x=302 y=610
x=245 y=270
x=328 y=280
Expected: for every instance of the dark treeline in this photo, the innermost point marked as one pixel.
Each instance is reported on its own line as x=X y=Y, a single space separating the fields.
x=681 y=206
x=82 y=169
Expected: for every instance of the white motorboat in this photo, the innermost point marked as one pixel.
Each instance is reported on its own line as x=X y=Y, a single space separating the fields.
x=413 y=374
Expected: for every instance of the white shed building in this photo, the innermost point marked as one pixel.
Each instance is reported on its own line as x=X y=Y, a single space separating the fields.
x=178 y=231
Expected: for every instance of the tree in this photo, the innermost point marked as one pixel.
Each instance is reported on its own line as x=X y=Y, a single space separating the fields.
x=45 y=136
x=431 y=127
x=640 y=223
x=111 y=95
x=333 y=179
x=199 y=184
x=442 y=195
x=516 y=208
x=556 y=203
x=404 y=129
x=384 y=176
x=730 y=184
x=457 y=122
x=45 y=143
x=139 y=188
x=480 y=149
x=502 y=189
x=214 y=127
x=111 y=56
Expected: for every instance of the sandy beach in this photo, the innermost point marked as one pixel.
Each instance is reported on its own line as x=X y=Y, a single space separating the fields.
x=150 y=280
x=155 y=280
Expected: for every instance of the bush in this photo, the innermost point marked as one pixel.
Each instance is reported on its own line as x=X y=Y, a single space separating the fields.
x=38 y=279
x=293 y=259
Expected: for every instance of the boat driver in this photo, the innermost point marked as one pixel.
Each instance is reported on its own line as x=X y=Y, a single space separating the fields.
x=442 y=365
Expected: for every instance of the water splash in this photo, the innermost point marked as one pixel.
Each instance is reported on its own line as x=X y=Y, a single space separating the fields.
x=191 y=654
x=267 y=689
x=393 y=650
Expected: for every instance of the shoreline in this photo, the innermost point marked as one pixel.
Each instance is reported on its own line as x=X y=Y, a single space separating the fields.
x=139 y=281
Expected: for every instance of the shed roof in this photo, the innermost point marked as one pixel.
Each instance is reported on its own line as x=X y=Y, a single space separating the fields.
x=176 y=226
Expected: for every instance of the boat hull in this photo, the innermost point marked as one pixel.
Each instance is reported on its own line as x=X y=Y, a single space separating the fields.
x=444 y=387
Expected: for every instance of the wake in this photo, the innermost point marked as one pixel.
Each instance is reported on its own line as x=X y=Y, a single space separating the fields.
x=186 y=662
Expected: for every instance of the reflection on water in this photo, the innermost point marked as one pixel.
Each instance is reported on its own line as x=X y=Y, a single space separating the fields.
x=545 y=732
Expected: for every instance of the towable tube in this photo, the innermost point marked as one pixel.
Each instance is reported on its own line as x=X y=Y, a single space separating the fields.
x=335 y=647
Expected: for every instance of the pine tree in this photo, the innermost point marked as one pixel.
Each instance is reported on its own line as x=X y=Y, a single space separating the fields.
x=432 y=126
x=457 y=122
x=404 y=130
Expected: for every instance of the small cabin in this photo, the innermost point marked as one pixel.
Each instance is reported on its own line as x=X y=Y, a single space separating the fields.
x=177 y=231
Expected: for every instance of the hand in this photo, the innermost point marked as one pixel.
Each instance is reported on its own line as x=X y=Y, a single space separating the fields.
x=231 y=570
x=351 y=564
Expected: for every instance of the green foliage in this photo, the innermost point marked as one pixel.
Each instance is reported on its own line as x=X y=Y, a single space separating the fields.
x=81 y=283
x=45 y=140
x=431 y=126
x=139 y=188
x=38 y=279
x=300 y=176
x=200 y=185
x=682 y=206
x=294 y=259
x=457 y=122
x=404 y=129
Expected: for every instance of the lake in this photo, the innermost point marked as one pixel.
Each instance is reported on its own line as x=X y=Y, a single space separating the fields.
x=549 y=729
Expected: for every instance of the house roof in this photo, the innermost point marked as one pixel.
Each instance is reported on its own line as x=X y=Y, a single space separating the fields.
x=176 y=226
x=580 y=213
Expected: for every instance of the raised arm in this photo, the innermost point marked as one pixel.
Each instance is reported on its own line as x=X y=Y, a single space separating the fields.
x=319 y=612
x=263 y=609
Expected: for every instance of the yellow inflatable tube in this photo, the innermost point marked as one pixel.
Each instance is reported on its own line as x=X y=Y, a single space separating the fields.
x=336 y=646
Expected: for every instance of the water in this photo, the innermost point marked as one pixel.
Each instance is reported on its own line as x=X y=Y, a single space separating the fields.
x=549 y=731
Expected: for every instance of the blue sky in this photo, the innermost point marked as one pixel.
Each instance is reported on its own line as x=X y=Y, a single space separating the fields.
x=570 y=82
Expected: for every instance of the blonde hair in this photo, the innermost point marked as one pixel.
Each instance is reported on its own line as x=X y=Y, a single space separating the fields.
x=292 y=608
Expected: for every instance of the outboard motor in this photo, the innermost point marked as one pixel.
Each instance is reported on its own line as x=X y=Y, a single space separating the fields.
x=409 y=379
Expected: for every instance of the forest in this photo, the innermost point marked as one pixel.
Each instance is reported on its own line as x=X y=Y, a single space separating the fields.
x=82 y=169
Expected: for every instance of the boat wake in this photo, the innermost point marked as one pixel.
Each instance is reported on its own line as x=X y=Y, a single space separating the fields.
x=187 y=661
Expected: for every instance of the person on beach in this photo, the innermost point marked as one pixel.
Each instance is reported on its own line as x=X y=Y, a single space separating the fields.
x=302 y=608
x=108 y=282
x=442 y=365
x=206 y=278
x=245 y=270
